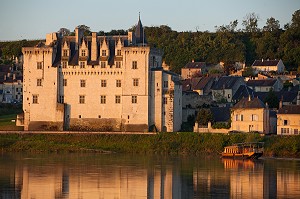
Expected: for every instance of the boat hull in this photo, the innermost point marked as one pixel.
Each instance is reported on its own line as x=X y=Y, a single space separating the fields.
x=251 y=155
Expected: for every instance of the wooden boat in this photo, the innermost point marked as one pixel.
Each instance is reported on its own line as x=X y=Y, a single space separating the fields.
x=250 y=150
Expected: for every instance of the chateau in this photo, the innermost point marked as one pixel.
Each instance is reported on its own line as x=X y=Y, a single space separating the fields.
x=99 y=83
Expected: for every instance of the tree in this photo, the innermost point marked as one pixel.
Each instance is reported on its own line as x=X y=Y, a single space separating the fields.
x=204 y=116
x=295 y=20
x=271 y=25
x=64 y=31
x=230 y=28
x=272 y=99
x=86 y=29
x=250 y=22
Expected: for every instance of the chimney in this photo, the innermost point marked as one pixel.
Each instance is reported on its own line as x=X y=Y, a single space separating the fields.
x=78 y=35
x=131 y=38
x=280 y=103
x=94 y=47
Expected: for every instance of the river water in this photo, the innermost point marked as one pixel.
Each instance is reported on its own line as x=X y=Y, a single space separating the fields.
x=115 y=176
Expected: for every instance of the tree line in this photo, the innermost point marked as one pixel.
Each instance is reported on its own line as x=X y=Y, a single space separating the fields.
x=227 y=44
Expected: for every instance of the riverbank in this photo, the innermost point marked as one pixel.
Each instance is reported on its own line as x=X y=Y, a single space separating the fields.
x=168 y=143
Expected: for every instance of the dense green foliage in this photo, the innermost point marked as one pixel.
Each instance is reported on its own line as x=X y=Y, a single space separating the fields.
x=204 y=116
x=227 y=44
x=14 y=48
x=171 y=143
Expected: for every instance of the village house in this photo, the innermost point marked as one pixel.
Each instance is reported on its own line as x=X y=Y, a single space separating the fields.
x=288 y=120
x=225 y=87
x=269 y=65
x=11 y=86
x=265 y=85
x=101 y=83
x=250 y=115
x=193 y=69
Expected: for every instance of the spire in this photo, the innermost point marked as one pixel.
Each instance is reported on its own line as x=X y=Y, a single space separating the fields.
x=139 y=32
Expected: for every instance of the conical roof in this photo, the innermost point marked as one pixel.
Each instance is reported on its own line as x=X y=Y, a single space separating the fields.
x=139 y=32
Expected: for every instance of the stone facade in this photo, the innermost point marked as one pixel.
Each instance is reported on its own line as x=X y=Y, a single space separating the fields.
x=288 y=120
x=269 y=65
x=99 y=83
x=250 y=115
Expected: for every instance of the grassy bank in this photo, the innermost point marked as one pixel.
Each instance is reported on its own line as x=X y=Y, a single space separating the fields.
x=181 y=143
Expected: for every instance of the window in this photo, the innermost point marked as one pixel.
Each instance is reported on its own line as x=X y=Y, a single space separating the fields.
x=83 y=53
x=35 y=99
x=285 y=122
x=82 y=82
x=134 y=99
x=134 y=64
x=229 y=96
x=254 y=117
x=165 y=100
x=135 y=82
x=285 y=130
x=103 y=52
x=118 y=99
x=119 y=52
x=118 y=83
x=81 y=99
x=65 y=82
x=166 y=84
x=64 y=64
x=118 y=64
x=82 y=64
x=103 y=64
x=103 y=99
x=65 y=53
x=39 y=82
x=39 y=65
x=61 y=99
x=239 y=117
x=296 y=131
x=103 y=83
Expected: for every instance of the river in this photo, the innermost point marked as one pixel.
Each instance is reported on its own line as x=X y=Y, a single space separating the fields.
x=116 y=176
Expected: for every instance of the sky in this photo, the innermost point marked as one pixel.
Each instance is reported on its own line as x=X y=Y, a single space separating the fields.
x=33 y=19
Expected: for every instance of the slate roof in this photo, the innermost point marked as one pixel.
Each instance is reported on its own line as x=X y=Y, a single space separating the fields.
x=220 y=114
x=139 y=33
x=285 y=96
x=197 y=83
x=289 y=109
x=261 y=82
x=195 y=65
x=226 y=82
x=265 y=63
x=246 y=103
x=243 y=92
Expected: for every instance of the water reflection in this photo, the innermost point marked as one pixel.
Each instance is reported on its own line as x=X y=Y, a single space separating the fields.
x=135 y=176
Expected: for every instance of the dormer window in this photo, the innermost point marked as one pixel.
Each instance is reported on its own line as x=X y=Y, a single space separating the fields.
x=65 y=53
x=103 y=52
x=119 y=52
x=83 y=53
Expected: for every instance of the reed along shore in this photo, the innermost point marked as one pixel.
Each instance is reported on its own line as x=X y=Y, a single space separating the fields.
x=158 y=143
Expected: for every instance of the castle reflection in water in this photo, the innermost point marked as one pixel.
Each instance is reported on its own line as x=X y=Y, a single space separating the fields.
x=107 y=176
